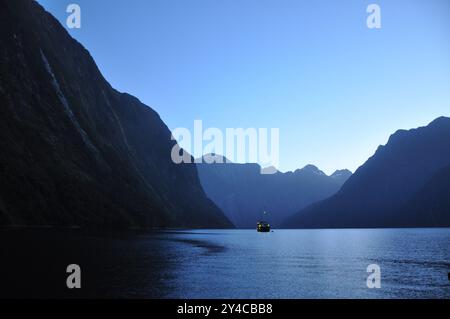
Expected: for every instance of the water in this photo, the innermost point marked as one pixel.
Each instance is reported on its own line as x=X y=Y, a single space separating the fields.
x=226 y=263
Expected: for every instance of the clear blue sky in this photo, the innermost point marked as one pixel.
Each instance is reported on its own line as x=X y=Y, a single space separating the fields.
x=335 y=88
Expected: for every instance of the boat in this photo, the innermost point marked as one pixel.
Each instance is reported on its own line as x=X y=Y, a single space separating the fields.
x=263 y=227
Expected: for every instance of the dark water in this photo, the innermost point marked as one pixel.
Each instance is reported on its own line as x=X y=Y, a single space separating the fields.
x=226 y=263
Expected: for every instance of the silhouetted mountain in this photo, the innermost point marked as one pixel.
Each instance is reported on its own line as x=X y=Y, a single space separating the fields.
x=243 y=193
x=341 y=175
x=377 y=193
x=74 y=151
x=431 y=205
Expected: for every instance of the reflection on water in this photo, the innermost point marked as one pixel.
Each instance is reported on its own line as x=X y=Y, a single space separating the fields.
x=226 y=263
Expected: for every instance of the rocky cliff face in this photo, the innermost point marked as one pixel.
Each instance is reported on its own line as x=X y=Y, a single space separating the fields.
x=74 y=151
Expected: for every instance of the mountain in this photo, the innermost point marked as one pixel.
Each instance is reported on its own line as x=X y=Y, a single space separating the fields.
x=341 y=176
x=409 y=171
x=76 y=152
x=431 y=205
x=243 y=193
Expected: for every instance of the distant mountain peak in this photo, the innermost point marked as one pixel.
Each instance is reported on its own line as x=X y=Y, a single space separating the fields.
x=213 y=158
x=341 y=175
x=311 y=169
x=341 y=172
x=244 y=191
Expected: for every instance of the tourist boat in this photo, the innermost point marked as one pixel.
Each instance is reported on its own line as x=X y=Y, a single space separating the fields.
x=263 y=227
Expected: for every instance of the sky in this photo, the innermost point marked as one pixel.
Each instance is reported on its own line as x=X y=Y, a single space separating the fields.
x=335 y=88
